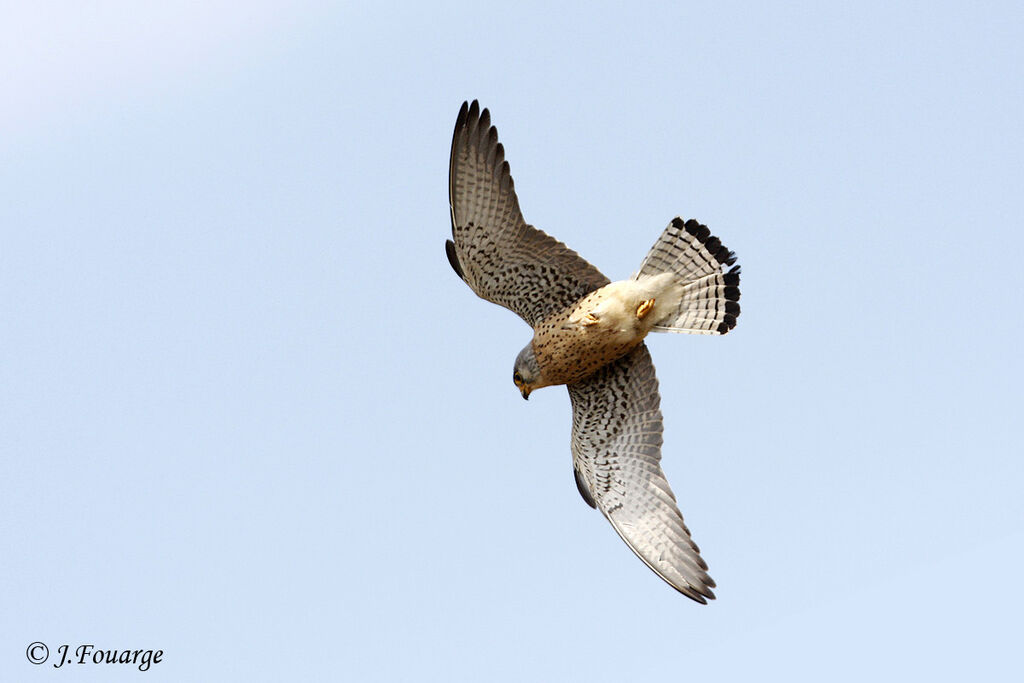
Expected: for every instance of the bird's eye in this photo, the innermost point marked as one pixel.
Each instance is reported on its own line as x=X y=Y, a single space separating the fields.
x=517 y=378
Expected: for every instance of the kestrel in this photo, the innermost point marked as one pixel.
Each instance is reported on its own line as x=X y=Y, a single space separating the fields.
x=588 y=334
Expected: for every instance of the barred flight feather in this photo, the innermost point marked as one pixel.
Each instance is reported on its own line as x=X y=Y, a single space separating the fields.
x=709 y=302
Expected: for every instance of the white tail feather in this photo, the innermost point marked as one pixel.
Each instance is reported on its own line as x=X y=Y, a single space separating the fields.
x=709 y=295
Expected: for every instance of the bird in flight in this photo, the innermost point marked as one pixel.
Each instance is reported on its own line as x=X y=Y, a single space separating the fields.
x=588 y=334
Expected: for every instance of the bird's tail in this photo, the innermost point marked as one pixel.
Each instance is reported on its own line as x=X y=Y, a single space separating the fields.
x=708 y=302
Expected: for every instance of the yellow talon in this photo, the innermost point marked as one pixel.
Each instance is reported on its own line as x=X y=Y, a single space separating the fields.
x=644 y=308
x=589 y=319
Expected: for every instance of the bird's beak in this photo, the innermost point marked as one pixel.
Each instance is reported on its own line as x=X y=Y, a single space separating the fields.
x=525 y=391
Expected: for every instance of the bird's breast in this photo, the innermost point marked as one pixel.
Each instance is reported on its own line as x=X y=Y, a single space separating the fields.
x=596 y=330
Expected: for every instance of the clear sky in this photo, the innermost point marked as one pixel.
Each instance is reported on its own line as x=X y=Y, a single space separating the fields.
x=250 y=417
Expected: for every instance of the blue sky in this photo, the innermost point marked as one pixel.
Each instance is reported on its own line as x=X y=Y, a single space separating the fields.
x=249 y=416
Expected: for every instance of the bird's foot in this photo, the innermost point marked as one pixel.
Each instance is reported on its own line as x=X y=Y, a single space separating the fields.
x=589 y=319
x=644 y=308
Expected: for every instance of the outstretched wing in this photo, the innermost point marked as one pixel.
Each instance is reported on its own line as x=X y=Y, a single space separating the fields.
x=616 y=447
x=500 y=257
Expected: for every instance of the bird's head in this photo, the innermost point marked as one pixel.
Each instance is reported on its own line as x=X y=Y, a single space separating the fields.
x=526 y=374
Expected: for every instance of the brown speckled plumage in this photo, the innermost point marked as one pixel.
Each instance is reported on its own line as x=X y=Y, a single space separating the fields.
x=569 y=351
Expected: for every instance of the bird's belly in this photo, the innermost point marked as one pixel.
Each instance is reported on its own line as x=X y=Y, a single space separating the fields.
x=600 y=328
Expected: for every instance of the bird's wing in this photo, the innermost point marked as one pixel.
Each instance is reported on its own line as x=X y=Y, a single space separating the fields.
x=500 y=257
x=616 y=446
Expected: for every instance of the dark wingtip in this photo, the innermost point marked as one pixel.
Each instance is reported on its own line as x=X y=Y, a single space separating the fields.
x=453 y=258
x=699 y=594
x=460 y=120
